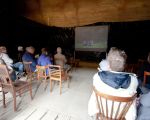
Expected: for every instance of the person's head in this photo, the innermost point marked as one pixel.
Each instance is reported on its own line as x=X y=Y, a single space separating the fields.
x=148 y=58
x=20 y=48
x=3 y=49
x=59 y=50
x=117 y=59
x=44 y=51
x=30 y=50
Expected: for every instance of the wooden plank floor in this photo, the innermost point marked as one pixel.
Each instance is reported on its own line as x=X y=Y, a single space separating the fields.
x=71 y=105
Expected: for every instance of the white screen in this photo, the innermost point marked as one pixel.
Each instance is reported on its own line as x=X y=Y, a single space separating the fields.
x=91 y=38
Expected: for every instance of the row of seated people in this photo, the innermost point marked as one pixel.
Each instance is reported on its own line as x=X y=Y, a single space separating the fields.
x=111 y=82
x=10 y=83
x=28 y=56
x=44 y=59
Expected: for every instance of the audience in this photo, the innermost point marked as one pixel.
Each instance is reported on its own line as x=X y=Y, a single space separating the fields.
x=29 y=57
x=111 y=80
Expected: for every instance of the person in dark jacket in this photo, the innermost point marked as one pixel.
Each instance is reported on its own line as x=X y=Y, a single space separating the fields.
x=29 y=57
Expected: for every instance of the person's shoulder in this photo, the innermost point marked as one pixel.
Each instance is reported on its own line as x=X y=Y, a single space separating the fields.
x=5 y=55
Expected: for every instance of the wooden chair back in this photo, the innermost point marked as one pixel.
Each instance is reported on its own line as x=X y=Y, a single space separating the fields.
x=112 y=107
x=30 y=75
x=145 y=77
x=27 y=67
x=42 y=73
x=57 y=74
x=5 y=77
x=12 y=87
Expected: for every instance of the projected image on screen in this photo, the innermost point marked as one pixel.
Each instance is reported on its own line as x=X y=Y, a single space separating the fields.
x=93 y=38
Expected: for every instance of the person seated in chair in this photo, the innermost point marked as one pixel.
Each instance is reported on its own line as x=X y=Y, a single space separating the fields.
x=10 y=70
x=18 y=66
x=44 y=58
x=29 y=57
x=113 y=81
x=60 y=59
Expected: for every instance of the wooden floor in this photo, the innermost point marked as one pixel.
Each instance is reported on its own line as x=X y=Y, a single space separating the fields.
x=71 y=105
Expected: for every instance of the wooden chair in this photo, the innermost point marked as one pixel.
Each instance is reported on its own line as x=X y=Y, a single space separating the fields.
x=145 y=76
x=112 y=107
x=28 y=71
x=13 y=87
x=57 y=74
x=73 y=63
x=41 y=73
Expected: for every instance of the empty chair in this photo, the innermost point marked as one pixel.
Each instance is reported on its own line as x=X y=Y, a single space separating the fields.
x=13 y=87
x=57 y=74
x=112 y=107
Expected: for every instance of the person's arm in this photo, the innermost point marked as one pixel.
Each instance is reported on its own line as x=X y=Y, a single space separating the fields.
x=38 y=61
x=48 y=61
x=34 y=63
x=7 y=59
x=29 y=58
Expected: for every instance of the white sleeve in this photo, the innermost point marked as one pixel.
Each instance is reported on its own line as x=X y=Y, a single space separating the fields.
x=7 y=59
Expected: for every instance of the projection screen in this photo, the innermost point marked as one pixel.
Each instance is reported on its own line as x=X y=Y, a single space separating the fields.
x=91 y=38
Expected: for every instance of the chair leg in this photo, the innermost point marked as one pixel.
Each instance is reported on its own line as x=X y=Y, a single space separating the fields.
x=45 y=81
x=60 y=87
x=30 y=90
x=68 y=80
x=96 y=116
x=20 y=93
x=50 y=85
x=4 y=103
x=14 y=97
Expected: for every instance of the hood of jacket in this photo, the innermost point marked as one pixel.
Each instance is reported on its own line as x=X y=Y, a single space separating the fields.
x=115 y=79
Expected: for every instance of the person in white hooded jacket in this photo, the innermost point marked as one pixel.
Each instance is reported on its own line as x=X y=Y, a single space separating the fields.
x=3 y=55
x=113 y=81
x=9 y=62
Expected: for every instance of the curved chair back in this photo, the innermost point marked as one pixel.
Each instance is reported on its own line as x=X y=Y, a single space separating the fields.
x=112 y=107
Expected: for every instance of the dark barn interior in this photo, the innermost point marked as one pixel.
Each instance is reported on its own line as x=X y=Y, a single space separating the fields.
x=17 y=30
